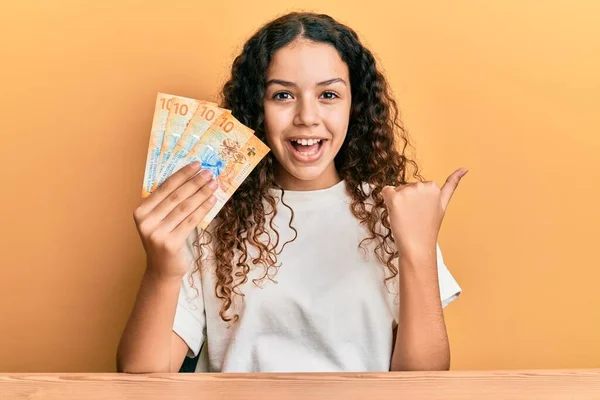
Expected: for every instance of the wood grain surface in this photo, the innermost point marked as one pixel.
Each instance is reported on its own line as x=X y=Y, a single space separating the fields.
x=489 y=385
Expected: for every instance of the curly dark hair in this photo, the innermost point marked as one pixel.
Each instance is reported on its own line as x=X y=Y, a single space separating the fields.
x=372 y=153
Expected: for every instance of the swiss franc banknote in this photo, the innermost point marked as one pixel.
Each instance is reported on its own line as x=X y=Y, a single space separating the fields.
x=159 y=122
x=185 y=130
x=206 y=114
x=180 y=114
x=219 y=144
x=235 y=173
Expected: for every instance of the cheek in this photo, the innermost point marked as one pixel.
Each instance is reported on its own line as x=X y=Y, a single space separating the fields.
x=337 y=123
x=275 y=124
x=270 y=126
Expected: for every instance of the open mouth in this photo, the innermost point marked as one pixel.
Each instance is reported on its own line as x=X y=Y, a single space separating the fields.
x=307 y=147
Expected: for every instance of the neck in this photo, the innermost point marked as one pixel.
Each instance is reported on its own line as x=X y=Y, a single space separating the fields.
x=287 y=181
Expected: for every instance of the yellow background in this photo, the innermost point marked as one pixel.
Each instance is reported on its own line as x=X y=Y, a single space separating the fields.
x=508 y=89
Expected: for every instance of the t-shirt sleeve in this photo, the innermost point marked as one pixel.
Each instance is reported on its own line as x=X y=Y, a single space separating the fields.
x=449 y=288
x=190 y=317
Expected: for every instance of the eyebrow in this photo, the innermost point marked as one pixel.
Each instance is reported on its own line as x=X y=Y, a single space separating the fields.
x=292 y=84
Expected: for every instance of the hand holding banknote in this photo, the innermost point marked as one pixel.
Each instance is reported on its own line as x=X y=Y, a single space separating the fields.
x=167 y=217
x=186 y=130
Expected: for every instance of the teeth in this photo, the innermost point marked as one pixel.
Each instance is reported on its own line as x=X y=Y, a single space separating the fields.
x=307 y=142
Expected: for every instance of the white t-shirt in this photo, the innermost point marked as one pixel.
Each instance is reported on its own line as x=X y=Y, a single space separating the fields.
x=330 y=309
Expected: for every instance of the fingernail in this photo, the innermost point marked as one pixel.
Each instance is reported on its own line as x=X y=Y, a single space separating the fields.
x=206 y=174
x=195 y=164
x=212 y=184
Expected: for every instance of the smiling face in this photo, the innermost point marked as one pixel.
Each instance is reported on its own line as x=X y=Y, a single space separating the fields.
x=307 y=109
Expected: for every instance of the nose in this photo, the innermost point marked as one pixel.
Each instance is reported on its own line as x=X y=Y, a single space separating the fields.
x=307 y=113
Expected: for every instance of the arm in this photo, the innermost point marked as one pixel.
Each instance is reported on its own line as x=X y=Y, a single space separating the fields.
x=421 y=341
x=165 y=220
x=415 y=212
x=148 y=343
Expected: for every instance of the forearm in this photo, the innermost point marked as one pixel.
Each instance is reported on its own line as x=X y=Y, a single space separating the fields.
x=421 y=341
x=145 y=345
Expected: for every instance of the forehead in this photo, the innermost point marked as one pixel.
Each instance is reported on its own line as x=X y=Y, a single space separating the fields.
x=307 y=61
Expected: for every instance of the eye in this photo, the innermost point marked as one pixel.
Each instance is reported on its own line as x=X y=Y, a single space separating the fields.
x=282 y=96
x=329 y=95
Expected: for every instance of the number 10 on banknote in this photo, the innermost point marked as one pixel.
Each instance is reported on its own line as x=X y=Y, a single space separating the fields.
x=185 y=130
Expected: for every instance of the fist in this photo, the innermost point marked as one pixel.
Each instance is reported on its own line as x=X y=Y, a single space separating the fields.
x=416 y=211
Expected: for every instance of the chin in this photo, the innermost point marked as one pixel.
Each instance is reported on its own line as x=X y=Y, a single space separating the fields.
x=304 y=172
x=307 y=176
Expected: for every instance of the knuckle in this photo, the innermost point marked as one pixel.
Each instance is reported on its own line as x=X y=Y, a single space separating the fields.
x=207 y=190
x=143 y=228
x=388 y=194
x=166 y=186
x=193 y=219
x=387 y=191
x=137 y=215
x=200 y=180
x=198 y=184
x=175 y=197
x=184 y=207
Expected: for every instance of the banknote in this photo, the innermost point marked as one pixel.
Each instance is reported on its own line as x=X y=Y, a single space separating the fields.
x=237 y=170
x=159 y=122
x=206 y=114
x=185 y=130
x=181 y=111
x=219 y=144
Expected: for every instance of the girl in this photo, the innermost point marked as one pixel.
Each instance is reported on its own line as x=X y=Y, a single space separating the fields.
x=326 y=258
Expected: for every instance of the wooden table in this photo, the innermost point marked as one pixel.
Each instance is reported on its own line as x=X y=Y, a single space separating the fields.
x=488 y=385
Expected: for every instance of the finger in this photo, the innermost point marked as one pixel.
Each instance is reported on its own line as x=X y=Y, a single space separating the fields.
x=188 y=207
x=404 y=185
x=183 y=193
x=392 y=189
x=450 y=186
x=183 y=230
x=167 y=187
x=387 y=191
